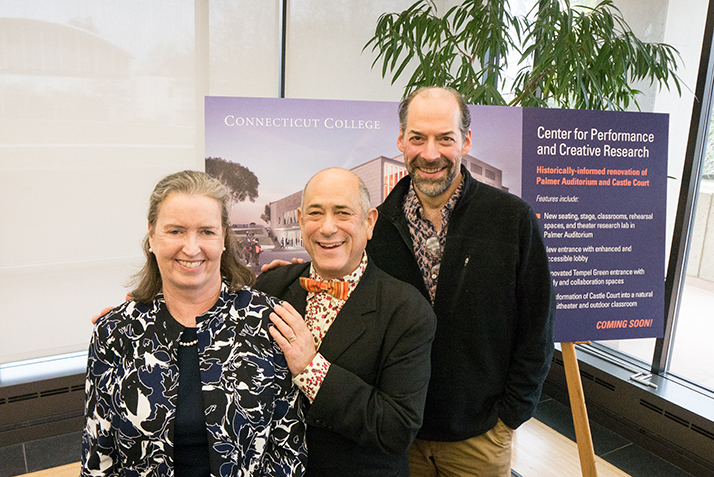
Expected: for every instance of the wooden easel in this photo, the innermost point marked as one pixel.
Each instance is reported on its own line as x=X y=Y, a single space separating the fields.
x=583 y=437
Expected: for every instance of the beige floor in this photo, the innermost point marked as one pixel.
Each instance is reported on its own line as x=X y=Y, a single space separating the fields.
x=538 y=451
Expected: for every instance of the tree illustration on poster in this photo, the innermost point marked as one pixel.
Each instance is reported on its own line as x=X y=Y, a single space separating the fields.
x=241 y=182
x=265 y=216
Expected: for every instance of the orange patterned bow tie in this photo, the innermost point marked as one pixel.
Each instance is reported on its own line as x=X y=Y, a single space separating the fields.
x=337 y=289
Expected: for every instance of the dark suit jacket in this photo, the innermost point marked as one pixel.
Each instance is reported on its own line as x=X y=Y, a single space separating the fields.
x=370 y=405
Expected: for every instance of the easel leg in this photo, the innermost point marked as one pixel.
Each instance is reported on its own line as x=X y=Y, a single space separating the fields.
x=580 y=413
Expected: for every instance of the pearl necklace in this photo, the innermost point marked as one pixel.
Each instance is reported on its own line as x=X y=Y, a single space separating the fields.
x=190 y=343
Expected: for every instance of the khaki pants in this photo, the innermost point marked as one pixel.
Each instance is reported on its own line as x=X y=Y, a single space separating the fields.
x=487 y=455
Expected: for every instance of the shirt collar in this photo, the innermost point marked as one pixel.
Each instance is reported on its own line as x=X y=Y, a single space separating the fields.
x=352 y=278
x=414 y=211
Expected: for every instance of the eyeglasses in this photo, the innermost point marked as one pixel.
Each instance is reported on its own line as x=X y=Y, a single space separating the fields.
x=433 y=248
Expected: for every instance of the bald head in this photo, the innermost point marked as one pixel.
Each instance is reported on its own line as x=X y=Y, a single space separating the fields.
x=336 y=221
x=338 y=172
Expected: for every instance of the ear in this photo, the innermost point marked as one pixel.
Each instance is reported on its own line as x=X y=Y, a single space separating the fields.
x=400 y=140
x=302 y=228
x=371 y=220
x=151 y=235
x=467 y=144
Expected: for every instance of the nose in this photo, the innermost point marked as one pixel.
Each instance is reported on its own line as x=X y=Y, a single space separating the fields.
x=191 y=245
x=431 y=151
x=327 y=225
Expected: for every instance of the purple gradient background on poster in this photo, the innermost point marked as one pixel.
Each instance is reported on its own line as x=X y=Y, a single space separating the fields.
x=284 y=158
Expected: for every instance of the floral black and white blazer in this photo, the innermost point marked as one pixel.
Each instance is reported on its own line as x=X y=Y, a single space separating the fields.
x=253 y=416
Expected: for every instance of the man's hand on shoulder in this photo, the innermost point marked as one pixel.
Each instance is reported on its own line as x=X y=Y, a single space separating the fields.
x=108 y=309
x=102 y=313
x=279 y=263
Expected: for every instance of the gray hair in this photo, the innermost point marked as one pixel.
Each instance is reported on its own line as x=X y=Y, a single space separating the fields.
x=463 y=108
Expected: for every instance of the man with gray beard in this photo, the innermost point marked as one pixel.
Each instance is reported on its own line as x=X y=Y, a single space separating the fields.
x=477 y=254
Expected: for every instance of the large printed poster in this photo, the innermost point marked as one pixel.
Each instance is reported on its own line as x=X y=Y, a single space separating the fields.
x=596 y=180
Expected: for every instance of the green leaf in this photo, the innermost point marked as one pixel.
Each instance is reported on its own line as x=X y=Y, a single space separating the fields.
x=580 y=56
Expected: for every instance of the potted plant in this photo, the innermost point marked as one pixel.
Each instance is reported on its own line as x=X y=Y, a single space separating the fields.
x=569 y=57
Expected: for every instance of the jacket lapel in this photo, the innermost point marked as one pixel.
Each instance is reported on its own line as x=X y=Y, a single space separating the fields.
x=351 y=321
x=297 y=295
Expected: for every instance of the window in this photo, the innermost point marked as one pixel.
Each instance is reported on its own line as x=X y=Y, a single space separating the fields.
x=99 y=100
x=692 y=353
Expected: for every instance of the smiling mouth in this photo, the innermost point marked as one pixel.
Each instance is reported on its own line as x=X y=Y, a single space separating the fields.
x=430 y=167
x=329 y=246
x=190 y=264
x=431 y=170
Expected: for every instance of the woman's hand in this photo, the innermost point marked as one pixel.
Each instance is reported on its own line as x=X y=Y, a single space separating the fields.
x=293 y=337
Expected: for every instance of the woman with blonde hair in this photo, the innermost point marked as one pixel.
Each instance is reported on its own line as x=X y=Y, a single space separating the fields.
x=184 y=379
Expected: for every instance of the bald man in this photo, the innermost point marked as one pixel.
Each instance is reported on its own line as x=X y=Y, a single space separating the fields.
x=357 y=341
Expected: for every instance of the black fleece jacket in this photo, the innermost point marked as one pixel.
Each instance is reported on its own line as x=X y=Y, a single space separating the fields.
x=494 y=306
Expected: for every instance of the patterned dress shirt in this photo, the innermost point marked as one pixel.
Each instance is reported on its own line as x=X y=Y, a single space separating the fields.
x=421 y=229
x=320 y=313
